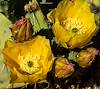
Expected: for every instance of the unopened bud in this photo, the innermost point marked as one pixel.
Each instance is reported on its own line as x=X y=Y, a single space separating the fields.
x=22 y=30
x=63 y=68
x=86 y=57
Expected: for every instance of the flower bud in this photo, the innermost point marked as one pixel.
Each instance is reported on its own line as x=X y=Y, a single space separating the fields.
x=31 y=7
x=63 y=68
x=86 y=57
x=22 y=30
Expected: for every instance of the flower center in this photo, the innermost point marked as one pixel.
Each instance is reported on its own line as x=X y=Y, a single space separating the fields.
x=72 y=24
x=74 y=30
x=30 y=63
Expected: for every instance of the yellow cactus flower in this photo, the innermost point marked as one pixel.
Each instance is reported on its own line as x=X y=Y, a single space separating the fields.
x=30 y=61
x=73 y=23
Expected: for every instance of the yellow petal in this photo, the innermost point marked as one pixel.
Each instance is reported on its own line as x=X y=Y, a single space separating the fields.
x=73 y=14
x=37 y=52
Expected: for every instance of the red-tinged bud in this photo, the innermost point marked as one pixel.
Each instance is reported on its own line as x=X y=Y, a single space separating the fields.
x=63 y=68
x=22 y=30
x=86 y=57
